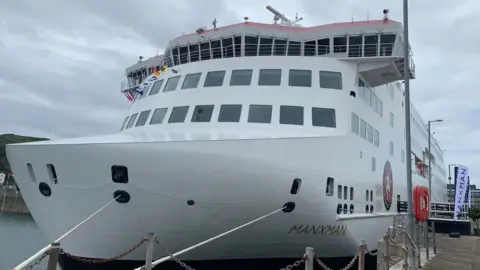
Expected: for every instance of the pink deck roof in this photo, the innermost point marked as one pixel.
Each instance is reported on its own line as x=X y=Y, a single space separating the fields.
x=300 y=29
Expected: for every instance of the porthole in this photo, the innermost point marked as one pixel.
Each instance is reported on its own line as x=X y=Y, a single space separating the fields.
x=345 y=208
x=339 y=208
x=44 y=189
x=371 y=208
x=121 y=196
x=190 y=202
x=351 y=208
x=295 y=186
x=366 y=208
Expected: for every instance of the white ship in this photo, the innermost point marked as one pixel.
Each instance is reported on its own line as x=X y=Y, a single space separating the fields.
x=246 y=118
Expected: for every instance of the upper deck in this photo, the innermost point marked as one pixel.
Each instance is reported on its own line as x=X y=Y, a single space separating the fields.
x=376 y=45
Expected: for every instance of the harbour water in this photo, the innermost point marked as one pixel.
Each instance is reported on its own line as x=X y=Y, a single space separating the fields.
x=19 y=239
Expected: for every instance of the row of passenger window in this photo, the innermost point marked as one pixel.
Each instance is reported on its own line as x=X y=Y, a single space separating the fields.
x=365 y=130
x=243 y=77
x=289 y=115
x=371 y=100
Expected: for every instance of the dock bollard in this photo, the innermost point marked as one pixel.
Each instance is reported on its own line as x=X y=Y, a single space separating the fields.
x=361 y=255
x=53 y=256
x=427 y=244
x=434 y=240
x=310 y=258
x=149 y=256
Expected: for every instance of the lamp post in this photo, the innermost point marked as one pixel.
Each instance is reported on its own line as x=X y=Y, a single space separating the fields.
x=430 y=157
x=408 y=140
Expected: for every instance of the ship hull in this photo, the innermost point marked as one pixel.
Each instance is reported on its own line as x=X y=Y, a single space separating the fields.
x=230 y=183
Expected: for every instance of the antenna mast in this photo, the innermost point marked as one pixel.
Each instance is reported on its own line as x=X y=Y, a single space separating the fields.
x=284 y=21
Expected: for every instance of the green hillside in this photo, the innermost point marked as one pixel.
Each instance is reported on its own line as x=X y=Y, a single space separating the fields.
x=12 y=138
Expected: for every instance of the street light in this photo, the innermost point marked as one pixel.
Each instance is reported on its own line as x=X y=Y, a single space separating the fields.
x=430 y=157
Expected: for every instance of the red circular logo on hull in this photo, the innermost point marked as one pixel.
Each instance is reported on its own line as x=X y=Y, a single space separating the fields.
x=387 y=185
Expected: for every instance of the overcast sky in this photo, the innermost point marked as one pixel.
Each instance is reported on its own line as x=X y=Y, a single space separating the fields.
x=61 y=61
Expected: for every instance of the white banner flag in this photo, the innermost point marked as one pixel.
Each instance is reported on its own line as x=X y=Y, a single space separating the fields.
x=461 y=184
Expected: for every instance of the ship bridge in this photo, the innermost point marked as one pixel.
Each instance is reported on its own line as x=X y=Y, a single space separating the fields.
x=376 y=46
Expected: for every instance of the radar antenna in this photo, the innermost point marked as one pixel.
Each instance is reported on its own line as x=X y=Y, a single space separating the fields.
x=283 y=20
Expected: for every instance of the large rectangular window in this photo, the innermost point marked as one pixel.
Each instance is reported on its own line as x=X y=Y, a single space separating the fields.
x=300 y=77
x=202 y=113
x=132 y=120
x=241 y=77
x=230 y=113
x=391 y=148
x=142 y=119
x=376 y=138
x=355 y=124
x=178 y=114
x=323 y=117
x=270 y=77
x=156 y=87
x=291 y=115
x=260 y=114
x=191 y=80
x=214 y=78
x=158 y=116
x=171 y=84
x=391 y=119
x=370 y=133
x=125 y=122
x=363 y=129
x=330 y=79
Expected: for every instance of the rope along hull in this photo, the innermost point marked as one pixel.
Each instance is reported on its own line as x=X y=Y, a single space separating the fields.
x=68 y=263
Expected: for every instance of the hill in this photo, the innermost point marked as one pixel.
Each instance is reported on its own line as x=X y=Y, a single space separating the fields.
x=12 y=138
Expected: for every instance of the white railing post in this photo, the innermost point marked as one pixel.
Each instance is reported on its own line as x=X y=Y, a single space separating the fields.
x=53 y=256
x=149 y=257
x=310 y=258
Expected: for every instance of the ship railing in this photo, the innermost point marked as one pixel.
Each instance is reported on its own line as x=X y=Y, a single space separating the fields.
x=194 y=54
x=53 y=250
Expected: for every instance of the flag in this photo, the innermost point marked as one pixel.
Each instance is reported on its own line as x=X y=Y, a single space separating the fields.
x=128 y=95
x=155 y=72
x=138 y=89
x=164 y=68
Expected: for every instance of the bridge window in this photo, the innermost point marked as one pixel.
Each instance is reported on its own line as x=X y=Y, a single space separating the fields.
x=270 y=77
x=340 y=44
x=214 y=78
x=124 y=122
x=241 y=77
x=156 y=87
x=238 y=46
x=370 y=133
x=227 y=44
x=216 y=49
x=355 y=46
x=132 y=120
x=202 y=113
x=355 y=123
x=363 y=129
x=178 y=114
x=291 y=115
x=230 y=113
x=309 y=48
x=176 y=57
x=330 y=79
x=204 y=51
x=142 y=119
x=265 y=47
x=171 y=84
x=300 y=77
x=194 y=54
x=294 y=48
x=260 y=114
x=323 y=117
x=280 y=47
x=158 y=116
x=251 y=46
x=371 y=45
x=323 y=46
x=191 y=80
x=386 y=44
x=183 y=54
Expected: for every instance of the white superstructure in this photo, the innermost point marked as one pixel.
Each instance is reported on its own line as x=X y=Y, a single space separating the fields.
x=246 y=118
